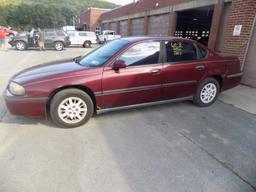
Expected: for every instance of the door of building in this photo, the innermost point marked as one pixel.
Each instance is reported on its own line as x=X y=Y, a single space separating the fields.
x=137 y=27
x=158 y=25
x=249 y=77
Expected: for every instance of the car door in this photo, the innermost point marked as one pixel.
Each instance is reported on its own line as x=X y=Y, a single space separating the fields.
x=49 y=37
x=182 y=69
x=72 y=37
x=82 y=37
x=139 y=82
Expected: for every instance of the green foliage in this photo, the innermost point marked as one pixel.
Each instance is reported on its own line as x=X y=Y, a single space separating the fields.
x=25 y=14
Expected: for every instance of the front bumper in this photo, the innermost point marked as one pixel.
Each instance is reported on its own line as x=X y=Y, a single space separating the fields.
x=11 y=42
x=23 y=106
x=67 y=43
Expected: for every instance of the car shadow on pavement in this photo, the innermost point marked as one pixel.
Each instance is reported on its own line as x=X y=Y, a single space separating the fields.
x=20 y=120
x=181 y=146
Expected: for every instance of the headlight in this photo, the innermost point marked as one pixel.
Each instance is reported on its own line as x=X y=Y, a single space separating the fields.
x=16 y=89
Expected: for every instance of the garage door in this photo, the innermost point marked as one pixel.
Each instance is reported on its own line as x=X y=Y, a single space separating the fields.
x=104 y=26
x=158 y=25
x=113 y=26
x=137 y=27
x=249 y=76
x=123 y=28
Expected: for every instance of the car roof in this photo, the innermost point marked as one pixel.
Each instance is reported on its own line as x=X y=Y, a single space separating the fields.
x=80 y=31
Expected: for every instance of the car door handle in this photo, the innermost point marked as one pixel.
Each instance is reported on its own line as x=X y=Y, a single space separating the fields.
x=155 y=71
x=200 y=67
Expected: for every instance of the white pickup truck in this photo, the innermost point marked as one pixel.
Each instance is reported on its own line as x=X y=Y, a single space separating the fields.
x=108 y=35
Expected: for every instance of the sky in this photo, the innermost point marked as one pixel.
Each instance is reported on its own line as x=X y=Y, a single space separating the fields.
x=121 y=2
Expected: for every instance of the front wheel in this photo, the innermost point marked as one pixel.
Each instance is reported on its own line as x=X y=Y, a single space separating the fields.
x=20 y=45
x=59 y=46
x=87 y=44
x=71 y=108
x=207 y=92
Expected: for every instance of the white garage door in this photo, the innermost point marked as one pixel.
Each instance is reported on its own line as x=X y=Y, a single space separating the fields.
x=113 y=26
x=104 y=26
x=138 y=27
x=158 y=25
x=123 y=28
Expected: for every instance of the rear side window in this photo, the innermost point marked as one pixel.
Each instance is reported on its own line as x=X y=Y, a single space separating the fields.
x=180 y=51
x=90 y=34
x=72 y=34
x=60 y=33
x=202 y=52
x=49 y=33
x=109 y=33
x=142 y=54
x=82 y=34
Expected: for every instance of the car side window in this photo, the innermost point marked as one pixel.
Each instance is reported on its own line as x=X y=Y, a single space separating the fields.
x=49 y=33
x=60 y=33
x=72 y=34
x=109 y=33
x=177 y=51
x=142 y=54
x=82 y=34
x=202 y=52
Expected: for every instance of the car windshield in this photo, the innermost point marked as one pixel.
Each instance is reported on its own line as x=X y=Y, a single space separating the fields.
x=103 y=54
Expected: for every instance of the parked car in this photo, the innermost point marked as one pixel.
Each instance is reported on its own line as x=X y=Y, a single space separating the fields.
x=82 y=38
x=53 y=38
x=124 y=73
x=108 y=35
x=8 y=31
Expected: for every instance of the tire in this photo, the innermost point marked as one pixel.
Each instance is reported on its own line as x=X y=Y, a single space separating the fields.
x=20 y=45
x=58 y=46
x=87 y=44
x=73 y=115
x=207 y=92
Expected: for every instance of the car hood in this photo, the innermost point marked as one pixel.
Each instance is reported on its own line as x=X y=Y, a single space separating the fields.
x=46 y=71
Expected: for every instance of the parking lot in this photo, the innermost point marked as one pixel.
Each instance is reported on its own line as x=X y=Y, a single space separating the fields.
x=174 y=147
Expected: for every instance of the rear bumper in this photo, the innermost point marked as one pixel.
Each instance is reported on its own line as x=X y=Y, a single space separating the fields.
x=232 y=80
x=29 y=107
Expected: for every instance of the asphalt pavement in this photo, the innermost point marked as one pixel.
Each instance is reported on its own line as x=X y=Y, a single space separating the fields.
x=165 y=148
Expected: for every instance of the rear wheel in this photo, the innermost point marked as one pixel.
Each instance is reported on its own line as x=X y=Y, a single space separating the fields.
x=71 y=108
x=20 y=45
x=207 y=92
x=87 y=44
x=58 y=46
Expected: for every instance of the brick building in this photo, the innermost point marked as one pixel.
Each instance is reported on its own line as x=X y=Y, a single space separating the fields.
x=88 y=20
x=227 y=26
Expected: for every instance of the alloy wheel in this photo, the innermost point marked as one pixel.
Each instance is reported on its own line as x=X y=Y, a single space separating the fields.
x=58 y=46
x=20 y=45
x=72 y=110
x=208 y=93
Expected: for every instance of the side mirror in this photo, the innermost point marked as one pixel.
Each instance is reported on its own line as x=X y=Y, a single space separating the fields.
x=118 y=64
x=77 y=59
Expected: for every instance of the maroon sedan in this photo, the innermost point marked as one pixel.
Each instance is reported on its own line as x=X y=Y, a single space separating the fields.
x=124 y=73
